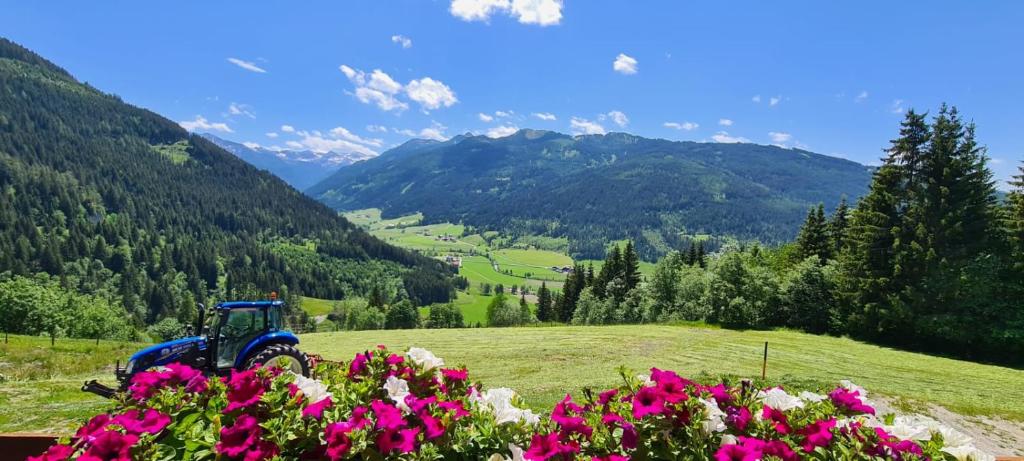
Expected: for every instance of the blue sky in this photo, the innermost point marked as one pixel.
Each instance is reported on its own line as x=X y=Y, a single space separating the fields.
x=831 y=77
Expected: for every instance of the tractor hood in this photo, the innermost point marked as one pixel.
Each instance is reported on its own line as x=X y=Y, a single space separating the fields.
x=158 y=353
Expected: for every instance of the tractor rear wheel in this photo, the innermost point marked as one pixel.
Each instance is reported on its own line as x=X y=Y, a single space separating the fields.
x=284 y=356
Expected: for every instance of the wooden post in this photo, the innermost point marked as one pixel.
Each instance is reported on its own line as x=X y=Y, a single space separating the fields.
x=764 y=365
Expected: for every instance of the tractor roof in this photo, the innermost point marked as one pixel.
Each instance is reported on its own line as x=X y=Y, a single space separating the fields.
x=248 y=304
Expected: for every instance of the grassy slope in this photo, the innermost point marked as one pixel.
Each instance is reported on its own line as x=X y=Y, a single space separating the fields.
x=317 y=306
x=544 y=363
x=39 y=388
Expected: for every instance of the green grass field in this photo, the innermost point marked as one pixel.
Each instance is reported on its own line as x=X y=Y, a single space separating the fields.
x=317 y=306
x=39 y=383
x=545 y=362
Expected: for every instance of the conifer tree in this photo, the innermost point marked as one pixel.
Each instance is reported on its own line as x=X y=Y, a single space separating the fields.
x=1014 y=219
x=544 y=311
x=612 y=268
x=701 y=259
x=813 y=239
x=589 y=281
x=630 y=266
x=691 y=255
x=838 y=225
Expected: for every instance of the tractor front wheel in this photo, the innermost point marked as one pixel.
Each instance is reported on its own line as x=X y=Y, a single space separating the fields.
x=284 y=356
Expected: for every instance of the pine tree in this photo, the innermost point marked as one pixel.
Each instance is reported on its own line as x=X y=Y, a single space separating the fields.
x=701 y=259
x=589 y=281
x=544 y=311
x=691 y=255
x=612 y=268
x=1013 y=219
x=813 y=239
x=571 y=289
x=838 y=225
x=630 y=266
x=377 y=297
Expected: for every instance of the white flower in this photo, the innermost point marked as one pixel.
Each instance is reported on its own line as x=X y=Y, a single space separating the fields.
x=952 y=437
x=848 y=385
x=424 y=358
x=968 y=453
x=517 y=453
x=314 y=390
x=530 y=417
x=811 y=397
x=778 y=399
x=714 y=419
x=646 y=380
x=728 y=439
x=499 y=402
x=906 y=431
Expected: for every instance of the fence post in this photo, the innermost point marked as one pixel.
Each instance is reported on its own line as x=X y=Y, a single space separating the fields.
x=764 y=365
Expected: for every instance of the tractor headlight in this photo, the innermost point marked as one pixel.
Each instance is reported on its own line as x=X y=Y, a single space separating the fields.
x=131 y=366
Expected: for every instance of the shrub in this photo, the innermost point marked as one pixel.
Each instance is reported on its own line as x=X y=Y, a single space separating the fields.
x=385 y=406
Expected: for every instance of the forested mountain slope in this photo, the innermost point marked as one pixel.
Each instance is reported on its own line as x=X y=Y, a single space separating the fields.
x=596 y=188
x=120 y=201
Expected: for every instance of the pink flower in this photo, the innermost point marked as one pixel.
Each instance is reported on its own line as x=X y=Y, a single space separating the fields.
x=316 y=410
x=565 y=415
x=338 y=441
x=358 y=420
x=738 y=417
x=92 y=428
x=239 y=437
x=54 y=453
x=416 y=405
x=110 y=446
x=388 y=416
x=850 y=401
x=434 y=428
x=454 y=374
x=262 y=450
x=244 y=389
x=629 y=434
x=403 y=441
x=152 y=421
x=543 y=447
x=778 y=419
x=145 y=384
x=394 y=359
x=454 y=405
x=671 y=385
x=720 y=393
x=779 y=449
x=183 y=374
x=610 y=458
x=817 y=434
x=734 y=452
x=605 y=397
x=358 y=364
x=648 y=401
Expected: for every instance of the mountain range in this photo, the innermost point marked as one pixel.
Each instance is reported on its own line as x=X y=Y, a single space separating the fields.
x=117 y=201
x=299 y=168
x=587 y=190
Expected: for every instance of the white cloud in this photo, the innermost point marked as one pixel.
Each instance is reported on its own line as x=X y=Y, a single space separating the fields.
x=545 y=116
x=616 y=116
x=540 y=12
x=436 y=132
x=484 y=117
x=861 y=96
x=321 y=144
x=287 y=128
x=251 y=145
x=344 y=133
x=376 y=128
x=384 y=101
x=271 y=134
x=584 y=126
x=381 y=81
x=756 y=98
x=897 y=107
x=201 y=124
x=725 y=122
x=625 y=64
x=725 y=137
x=685 y=126
x=502 y=131
x=780 y=137
x=501 y=113
x=240 y=109
x=430 y=93
x=247 y=65
x=774 y=100
x=406 y=42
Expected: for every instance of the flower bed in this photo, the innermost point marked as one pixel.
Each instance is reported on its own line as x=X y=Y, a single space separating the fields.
x=383 y=405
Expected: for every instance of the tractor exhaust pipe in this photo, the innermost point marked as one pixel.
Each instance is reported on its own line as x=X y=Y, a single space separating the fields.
x=101 y=390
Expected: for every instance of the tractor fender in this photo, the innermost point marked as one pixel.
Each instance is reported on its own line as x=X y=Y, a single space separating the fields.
x=261 y=342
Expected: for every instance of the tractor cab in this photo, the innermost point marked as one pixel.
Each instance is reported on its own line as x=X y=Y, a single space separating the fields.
x=240 y=334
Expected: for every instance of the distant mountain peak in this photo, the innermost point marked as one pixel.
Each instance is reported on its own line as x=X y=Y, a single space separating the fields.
x=299 y=168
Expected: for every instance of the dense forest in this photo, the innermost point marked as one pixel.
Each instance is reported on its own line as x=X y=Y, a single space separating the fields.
x=589 y=190
x=926 y=253
x=105 y=200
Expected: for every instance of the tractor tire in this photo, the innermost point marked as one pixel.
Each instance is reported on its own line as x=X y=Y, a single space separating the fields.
x=287 y=357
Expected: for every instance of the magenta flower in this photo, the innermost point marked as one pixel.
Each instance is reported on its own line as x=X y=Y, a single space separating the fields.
x=817 y=434
x=239 y=437
x=736 y=452
x=145 y=384
x=544 y=447
x=738 y=417
x=455 y=374
x=193 y=379
x=54 y=453
x=454 y=405
x=416 y=405
x=610 y=458
x=358 y=420
x=402 y=441
x=394 y=359
x=606 y=397
x=110 y=446
x=779 y=420
x=720 y=393
x=244 y=389
x=388 y=416
x=92 y=428
x=850 y=401
x=316 y=410
x=358 y=364
x=648 y=401
x=434 y=427
x=338 y=441
x=779 y=449
x=671 y=385
x=152 y=421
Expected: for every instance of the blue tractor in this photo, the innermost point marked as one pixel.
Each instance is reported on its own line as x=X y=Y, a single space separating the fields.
x=244 y=333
